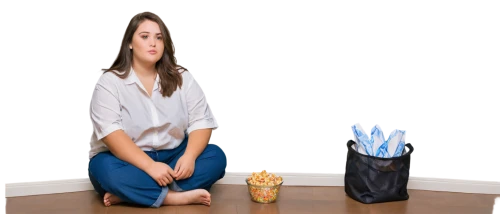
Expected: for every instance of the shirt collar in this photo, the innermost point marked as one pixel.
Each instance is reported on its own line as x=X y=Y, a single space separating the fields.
x=132 y=78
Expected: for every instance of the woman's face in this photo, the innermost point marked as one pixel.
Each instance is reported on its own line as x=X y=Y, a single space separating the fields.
x=147 y=43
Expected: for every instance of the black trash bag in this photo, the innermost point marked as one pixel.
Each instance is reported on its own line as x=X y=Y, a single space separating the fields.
x=371 y=179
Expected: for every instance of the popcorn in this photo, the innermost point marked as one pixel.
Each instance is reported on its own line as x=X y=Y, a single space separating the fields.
x=264 y=179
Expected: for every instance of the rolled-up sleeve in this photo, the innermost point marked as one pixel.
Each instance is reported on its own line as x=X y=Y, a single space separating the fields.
x=105 y=109
x=199 y=112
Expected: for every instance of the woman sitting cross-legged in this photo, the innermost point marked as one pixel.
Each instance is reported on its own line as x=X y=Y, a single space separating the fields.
x=151 y=125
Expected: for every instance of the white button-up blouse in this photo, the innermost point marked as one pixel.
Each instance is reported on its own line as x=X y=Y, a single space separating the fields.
x=152 y=122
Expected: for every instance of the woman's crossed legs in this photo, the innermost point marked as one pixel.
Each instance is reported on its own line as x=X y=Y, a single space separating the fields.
x=118 y=181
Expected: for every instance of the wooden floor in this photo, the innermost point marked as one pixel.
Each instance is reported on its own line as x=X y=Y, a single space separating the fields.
x=235 y=199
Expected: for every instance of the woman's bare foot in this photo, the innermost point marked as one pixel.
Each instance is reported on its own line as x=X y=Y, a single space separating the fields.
x=197 y=196
x=110 y=199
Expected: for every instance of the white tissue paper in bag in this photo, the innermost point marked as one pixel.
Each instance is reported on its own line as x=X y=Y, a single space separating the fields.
x=377 y=134
x=401 y=145
x=364 y=145
x=377 y=145
x=393 y=141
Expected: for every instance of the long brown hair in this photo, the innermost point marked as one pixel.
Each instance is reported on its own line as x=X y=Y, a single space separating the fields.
x=167 y=67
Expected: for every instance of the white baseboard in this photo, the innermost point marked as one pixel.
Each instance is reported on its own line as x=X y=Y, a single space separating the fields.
x=431 y=184
x=47 y=187
x=290 y=179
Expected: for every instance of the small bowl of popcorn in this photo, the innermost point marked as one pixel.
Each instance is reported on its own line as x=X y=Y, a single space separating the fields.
x=264 y=187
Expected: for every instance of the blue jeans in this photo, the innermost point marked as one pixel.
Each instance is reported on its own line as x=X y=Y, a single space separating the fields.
x=110 y=174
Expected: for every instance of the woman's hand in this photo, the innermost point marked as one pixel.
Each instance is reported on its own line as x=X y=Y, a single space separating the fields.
x=161 y=173
x=184 y=168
